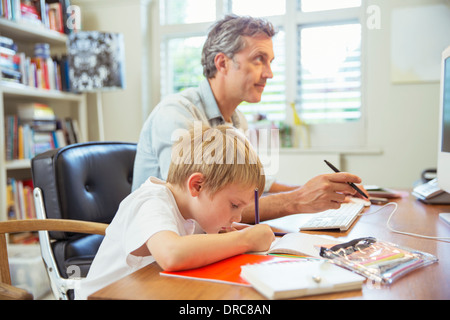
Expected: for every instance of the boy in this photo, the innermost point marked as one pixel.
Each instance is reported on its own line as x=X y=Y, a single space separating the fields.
x=212 y=178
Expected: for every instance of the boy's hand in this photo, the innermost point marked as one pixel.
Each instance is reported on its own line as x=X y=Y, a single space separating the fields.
x=259 y=237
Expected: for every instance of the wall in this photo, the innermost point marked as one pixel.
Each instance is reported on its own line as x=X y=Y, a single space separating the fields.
x=402 y=118
x=122 y=110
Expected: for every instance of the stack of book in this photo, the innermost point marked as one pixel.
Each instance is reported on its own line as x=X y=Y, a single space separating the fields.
x=41 y=71
x=9 y=61
x=20 y=206
x=35 y=129
x=19 y=199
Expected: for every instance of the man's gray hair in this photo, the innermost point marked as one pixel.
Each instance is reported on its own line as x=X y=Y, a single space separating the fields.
x=226 y=36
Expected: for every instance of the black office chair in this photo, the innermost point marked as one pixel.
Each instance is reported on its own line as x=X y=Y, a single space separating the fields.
x=83 y=182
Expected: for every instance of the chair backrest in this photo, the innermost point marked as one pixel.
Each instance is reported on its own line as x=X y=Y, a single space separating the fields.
x=84 y=181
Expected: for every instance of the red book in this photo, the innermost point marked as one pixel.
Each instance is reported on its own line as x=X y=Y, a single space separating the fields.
x=227 y=270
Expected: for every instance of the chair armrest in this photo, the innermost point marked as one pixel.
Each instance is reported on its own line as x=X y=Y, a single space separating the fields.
x=8 y=292
x=33 y=225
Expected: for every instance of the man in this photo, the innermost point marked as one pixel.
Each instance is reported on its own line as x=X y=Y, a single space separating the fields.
x=236 y=60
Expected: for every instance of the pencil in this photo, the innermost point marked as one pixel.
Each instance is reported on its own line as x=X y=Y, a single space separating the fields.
x=277 y=234
x=350 y=183
x=256 y=206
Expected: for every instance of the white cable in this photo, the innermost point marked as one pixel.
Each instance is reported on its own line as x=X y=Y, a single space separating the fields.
x=401 y=232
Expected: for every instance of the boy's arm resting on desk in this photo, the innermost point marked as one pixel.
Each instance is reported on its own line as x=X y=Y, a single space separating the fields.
x=321 y=193
x=174 y=252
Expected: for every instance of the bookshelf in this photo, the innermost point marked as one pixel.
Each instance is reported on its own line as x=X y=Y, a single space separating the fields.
x=64 y=104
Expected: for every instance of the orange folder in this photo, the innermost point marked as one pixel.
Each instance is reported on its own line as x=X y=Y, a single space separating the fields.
x=227 y=270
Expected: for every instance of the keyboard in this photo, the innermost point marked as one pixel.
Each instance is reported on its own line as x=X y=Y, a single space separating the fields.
x=341 y=218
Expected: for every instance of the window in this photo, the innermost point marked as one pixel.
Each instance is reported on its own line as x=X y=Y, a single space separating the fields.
x=322 y=5
x=330 y=73
x=259 y=8
x=317 y=62
x=187 y=11
x=182 y=67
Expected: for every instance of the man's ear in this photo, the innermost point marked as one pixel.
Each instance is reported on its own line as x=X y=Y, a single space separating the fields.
x=195 y=183
x=222 y=62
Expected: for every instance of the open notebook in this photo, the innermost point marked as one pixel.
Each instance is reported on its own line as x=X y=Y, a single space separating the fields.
x=301 y=244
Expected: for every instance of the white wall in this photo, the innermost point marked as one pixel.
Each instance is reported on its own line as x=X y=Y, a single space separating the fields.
x=122 y=110
x=401 y=122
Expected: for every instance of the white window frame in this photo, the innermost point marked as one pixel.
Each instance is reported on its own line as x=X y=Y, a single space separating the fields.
x=330 y=135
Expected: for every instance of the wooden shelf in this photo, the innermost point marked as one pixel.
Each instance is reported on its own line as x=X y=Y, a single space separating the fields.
x=27 y=32
x=12 y=90
x=18 y=164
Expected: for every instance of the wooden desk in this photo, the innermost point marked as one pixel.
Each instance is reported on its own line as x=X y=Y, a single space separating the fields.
x=431 y=282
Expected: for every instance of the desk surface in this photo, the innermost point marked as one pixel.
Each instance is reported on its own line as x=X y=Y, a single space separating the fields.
x=431 y=282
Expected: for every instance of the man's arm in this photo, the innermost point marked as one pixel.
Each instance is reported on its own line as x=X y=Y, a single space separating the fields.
x=277 y=187
x=321 y=193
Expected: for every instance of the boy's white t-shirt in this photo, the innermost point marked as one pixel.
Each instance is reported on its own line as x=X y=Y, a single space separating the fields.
x=145 y=212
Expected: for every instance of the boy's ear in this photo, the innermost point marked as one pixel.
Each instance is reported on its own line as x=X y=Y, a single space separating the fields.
x=195 y=183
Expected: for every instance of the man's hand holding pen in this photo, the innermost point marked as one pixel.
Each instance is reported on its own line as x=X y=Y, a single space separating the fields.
x=323 y=192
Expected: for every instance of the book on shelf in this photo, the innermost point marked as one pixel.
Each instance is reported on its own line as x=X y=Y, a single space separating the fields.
x=20 y=206
x=35 y=111
x=51 y=14
x=35 y=129
x=48 y=73
x=55 y=17
x=41 y=71
x=20 y=203
x=9 y=60
x=30 y=12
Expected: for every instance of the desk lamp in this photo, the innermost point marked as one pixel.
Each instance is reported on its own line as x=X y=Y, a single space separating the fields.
x=96 y=64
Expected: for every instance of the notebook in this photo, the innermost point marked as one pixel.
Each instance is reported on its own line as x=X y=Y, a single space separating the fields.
x=300 y=244
x=285 y=280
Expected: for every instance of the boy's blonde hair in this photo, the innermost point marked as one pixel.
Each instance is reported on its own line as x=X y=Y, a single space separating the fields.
x=222 y=154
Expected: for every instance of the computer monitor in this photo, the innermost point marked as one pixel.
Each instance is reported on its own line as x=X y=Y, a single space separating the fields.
x=443 y=168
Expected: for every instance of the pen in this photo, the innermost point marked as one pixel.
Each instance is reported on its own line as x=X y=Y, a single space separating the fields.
x=277 y=234
x=350 y=183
